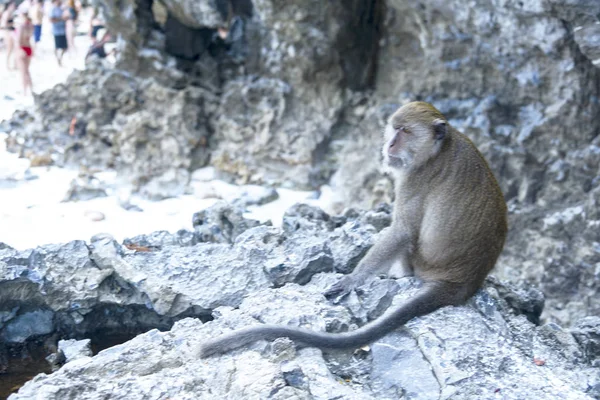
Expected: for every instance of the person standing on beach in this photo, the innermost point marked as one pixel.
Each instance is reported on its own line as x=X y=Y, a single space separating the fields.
x=71 y=21
x=36 y=13
x=7 y=27
x=24 y=51
x=96 y=23
x=59 y=30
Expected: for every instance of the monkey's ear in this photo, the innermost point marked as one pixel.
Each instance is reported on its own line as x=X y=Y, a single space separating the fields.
x=440 y=128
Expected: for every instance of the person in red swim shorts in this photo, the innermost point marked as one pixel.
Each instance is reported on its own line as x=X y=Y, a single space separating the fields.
x=23 y=35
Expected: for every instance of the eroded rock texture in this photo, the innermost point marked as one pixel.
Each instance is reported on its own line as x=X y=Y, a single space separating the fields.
x=298 y=92
x=274 y=275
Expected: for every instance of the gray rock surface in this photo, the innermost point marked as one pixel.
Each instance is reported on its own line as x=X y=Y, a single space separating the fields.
x=75 y=349
x=221 y=223
x=299 y=91
x=275 y=123
x=587 y=333
x=103 y=118
x=520 y=79
x=153 y=280
x=484 y=349
x=194 y=13
x=85 y=187
x=500 y=354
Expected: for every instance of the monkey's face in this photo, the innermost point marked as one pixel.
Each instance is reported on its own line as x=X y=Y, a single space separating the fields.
x=413 y=135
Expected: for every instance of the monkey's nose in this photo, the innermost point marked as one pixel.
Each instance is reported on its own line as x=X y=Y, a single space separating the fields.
x=392 y=143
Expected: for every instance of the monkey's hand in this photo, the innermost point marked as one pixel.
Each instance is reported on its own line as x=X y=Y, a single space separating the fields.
x=343 y=287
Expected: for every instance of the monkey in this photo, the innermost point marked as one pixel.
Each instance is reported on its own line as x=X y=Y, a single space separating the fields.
x=449 y=224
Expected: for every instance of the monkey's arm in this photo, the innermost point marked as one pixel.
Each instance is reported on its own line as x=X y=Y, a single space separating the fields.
x=391 y=248
x=430 y=297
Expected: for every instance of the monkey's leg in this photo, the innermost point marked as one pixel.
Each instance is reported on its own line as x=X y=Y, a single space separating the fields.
x=390 y=251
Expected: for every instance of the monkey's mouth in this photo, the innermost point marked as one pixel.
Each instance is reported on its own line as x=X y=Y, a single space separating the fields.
x=395 y=161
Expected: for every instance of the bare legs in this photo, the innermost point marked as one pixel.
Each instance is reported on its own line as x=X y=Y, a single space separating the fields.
x=23 y=61
x=59 y=53
x=70 y=32
x=9 y=41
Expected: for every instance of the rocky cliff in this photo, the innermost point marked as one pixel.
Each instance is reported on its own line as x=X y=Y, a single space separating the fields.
x=298 y=91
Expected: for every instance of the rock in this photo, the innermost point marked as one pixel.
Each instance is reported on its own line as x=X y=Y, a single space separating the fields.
x=410 y=373
x=300 y=259
x=588 y=39
x=297 y=95
x=127 y=205
x=380 y=217
x=85 y=187
x=101 y=236
x=521 y=299
x=153 y=280
x=272 y=127
x=56 y=360
x=195 y=14
x=125 y=123
x=358 y=180
x=248 y=111
x=146 y=146
x=75 y=349
x=41 y=160
x=171 y=183
x=244 y=195
x=221 y=223
x=430 y=351
x=253 y=195
x=95 y=216
x=157 y=240
x=184 y=42
x=587 y=333
x=27 y=325
x=306 y=218
x=262 y=274
x=205 y=174
x=349 y=243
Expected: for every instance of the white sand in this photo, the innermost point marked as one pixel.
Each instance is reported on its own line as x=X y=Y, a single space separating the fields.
x=32 y=212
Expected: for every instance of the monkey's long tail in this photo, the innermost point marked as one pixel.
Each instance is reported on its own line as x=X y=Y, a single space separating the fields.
x=432 y=296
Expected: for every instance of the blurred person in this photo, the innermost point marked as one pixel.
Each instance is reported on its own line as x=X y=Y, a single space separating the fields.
x=96 y=23
x=24 y=7
x=7 y=27
x=71 y=26
x=59 y=30
x=97 y=49
x=1 y=13
x=36 y=13
x=24 y=51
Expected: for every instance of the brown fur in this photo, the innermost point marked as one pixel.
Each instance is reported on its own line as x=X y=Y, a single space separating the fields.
x=448 y=229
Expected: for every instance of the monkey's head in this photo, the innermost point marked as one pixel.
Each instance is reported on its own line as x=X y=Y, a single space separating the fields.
x=414 y=134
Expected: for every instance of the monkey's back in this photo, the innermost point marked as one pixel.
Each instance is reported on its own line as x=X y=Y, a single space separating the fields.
x=464 y=219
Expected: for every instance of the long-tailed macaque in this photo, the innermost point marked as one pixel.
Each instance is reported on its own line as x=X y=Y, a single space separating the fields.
x=448 y=229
